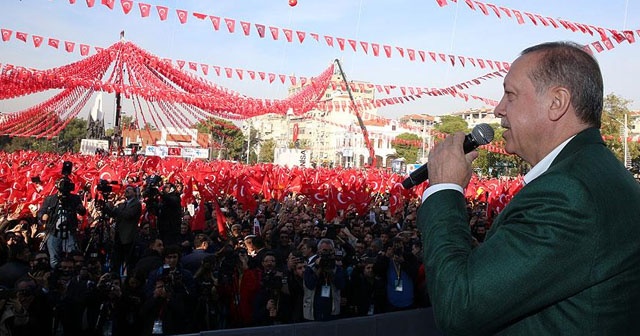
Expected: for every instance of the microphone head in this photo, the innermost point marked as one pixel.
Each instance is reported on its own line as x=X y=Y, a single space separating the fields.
x=482 y=134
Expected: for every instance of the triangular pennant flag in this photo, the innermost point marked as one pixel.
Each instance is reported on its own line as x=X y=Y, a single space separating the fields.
x=629 y=36
x=231 y=24
x=506 y=11
x=608 y=44
x=470 y=4
x=433 y=56
x=530 y=16
x=21 y=36
x=387 y=50
x=412 y=54
x=495 y=9
x=215 y=20
x=261 y=29
x=288 y=33
x=262 y=75
x=6 y=34
x=423 y=55
x=84 y=49
x=193 y=66
x=315 y=36
x=365 y=46
x=145 y=9
x=376 y=49
x=228 y=72
x=162 y=12
x=37 y=40
x=108 y=3
x=205 y=69
x=274 y=32
x=246 y=27
x=272 y=77
x=518 y=16
x=69 y=46
x=216 y=69
x=182 y=15
x=252 y=74
x=127 y=5
x=597 y=46
x=240 y=73
x=353 y=44
x=180 y=63
x=200 y=16
x=293 y=80
x=442 y=3
x=329 y=40
x=301 y=35
x=401 y=51
x=283 y=78
x=542 y=20
x=483 y=8
x=340 y=42
x=91 y=3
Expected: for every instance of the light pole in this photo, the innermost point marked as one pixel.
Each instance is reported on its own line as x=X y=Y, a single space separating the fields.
x=625 y=135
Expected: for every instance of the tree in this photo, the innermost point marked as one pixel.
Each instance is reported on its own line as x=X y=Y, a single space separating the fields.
x=69 y=138
x=267 y=151
x=226 y=135
x=452 y=124
x=612 y=128
x=405 y=146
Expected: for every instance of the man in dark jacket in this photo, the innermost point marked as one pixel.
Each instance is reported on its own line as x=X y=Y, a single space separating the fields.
x=126 y=215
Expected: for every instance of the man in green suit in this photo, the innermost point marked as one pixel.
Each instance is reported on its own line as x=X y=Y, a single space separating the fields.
x=563 y=258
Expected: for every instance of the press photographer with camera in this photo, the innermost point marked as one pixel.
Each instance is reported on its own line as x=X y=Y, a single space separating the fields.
x=59 y=212
x=398 y=267
x=323 y=281
x=169 y=215
x=126 y=214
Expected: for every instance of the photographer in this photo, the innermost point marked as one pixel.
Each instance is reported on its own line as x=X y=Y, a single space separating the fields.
x=60 y=213
x=323 y=281
x=169 y=215
x=399 y=269
x=170 y=290
x=126 y=214
x=270 y=299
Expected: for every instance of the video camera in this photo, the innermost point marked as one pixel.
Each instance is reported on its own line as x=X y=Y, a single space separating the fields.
x=64 y=184
x=151 y=192
x=327 y=261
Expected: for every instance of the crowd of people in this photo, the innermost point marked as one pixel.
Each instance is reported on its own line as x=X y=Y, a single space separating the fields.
x=135 y=271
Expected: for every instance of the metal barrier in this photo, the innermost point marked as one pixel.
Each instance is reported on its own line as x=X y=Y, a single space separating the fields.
x=416 y=322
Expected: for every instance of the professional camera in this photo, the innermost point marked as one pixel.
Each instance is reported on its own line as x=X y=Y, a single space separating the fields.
x=327 y=261
x=271 y=281
x=105 y=187
x=151 y=193
x=64 y=184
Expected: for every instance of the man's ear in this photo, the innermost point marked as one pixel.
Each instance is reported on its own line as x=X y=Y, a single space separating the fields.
x=560 y=102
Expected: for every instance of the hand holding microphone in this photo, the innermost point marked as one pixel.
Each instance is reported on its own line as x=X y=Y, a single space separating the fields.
x=482 y=134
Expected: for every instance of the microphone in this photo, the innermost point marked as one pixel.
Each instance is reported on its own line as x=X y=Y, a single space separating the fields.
x=482 y=134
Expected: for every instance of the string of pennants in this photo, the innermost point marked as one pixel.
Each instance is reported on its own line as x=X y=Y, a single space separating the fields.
x=557 y=23
x=290 y=35
x=415 y=91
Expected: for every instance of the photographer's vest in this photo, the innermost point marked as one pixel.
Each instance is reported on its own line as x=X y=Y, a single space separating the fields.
x=309 y=299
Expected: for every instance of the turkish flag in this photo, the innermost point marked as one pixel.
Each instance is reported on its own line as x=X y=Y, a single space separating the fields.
x=215 y=20
x=69 y=46
x=37 y=40
x=246 y=27
x=365 y=46
x=340 y=42
x=288 y=33
x=376 y=49
x=231 y=24
x=126 y=5
x=108 y=3
x=182 y=15
x=54 y=42
x=84 y=50
x=296 y=130
x=387 y=50
x=90 y=3
x=6 y=34
x=145 y=9
x=21 y=36
x=162 y=12
x=260 y=28
x=205 y=69
x=301 y=36
x=274 y=32
x=329 y=40
x=441 y=3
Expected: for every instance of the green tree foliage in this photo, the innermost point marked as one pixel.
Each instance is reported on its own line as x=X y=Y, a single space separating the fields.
x=69 y=138
x=612 y=128
x=405 y=147
x=267 y=150
x=452 y=124
x=227 y=135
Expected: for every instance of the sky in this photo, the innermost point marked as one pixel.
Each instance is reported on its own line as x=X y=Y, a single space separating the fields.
x=453 y=29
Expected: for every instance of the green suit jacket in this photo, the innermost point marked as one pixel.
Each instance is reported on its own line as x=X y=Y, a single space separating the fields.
x=563 y=258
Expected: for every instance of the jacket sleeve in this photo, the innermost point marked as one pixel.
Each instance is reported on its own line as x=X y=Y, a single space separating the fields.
x=521 y=268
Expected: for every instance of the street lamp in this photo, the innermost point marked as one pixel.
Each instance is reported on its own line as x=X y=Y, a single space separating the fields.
x=625 y=135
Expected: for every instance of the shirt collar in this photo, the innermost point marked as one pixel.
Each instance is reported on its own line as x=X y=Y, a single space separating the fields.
x=545 y=163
